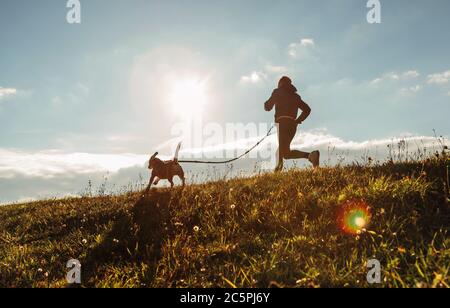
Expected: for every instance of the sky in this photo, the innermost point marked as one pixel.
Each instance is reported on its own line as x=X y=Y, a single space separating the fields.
x=86 y=101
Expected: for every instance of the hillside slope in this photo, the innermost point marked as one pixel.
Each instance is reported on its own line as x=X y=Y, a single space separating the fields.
x=279 y=229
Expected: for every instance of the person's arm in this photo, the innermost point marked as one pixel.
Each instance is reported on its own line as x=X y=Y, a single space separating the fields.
x=268 y=106
x=306 y=111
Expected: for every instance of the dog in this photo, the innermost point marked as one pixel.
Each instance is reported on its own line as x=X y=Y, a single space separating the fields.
x=165 y=170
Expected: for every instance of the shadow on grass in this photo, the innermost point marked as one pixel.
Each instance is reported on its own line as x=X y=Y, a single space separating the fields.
x=136 y=236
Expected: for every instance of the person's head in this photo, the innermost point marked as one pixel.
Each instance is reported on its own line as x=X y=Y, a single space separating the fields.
x=286 y=83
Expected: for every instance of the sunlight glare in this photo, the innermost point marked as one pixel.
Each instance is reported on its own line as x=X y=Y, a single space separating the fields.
x=188 y=97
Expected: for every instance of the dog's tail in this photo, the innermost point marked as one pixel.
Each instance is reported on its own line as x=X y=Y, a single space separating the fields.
x=177 y=151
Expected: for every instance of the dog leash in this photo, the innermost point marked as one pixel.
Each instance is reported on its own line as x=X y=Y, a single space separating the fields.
x=269 y=133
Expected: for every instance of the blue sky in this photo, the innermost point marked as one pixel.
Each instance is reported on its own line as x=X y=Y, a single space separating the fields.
x=99 y=87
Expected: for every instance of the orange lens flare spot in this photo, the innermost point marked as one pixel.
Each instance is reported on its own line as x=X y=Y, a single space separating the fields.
x=354 y=216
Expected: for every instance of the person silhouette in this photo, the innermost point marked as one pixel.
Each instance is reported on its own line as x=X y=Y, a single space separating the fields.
x=287 y=103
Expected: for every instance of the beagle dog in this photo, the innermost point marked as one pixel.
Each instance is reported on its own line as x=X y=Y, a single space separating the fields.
x=165 y=170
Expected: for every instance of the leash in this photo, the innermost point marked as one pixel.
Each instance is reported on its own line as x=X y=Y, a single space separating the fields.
x=269 y=133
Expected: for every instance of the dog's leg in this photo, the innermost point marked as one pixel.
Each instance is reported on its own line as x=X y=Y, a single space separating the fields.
x=152 y=178
x=156 y=181
x=171 y=182
x=181 y=175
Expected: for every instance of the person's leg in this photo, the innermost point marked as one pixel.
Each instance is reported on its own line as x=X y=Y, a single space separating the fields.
x=293 y=154
x=313 y=157
x=287 y=131
x=281 y=145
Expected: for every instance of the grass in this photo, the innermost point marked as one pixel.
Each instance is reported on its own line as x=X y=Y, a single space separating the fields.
x=269 y=230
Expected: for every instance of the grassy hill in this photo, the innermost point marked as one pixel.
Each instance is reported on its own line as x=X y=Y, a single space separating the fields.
x=272 y=229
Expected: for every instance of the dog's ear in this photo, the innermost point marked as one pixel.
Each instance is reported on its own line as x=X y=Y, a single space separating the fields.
x=154 y=155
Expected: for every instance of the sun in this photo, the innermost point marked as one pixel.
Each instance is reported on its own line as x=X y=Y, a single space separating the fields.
x=188 y=96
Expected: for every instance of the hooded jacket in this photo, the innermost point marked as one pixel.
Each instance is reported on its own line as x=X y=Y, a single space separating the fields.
x=287 y=103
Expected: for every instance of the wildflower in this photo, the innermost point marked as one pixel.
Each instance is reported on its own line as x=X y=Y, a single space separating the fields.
x=203 y=270
x=401 y=250
x=196 y=228
x=40 y=270
x=233 y=206
x=301 y=281
x=421 y=285
x=115 y=240
x=46 y=274
x=84 y=241
x=382 y=211
x=437 y=280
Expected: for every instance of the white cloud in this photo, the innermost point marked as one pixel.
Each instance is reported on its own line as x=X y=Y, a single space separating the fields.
x=48 y=174
x=300 y=49
x=396 y=76
x=411 y=74
x=7 y=91
x=307 y=42
x=392 y=76
x=48 y=164
x=266 y=73
x=313 y=139
x=439 y=78
x=322 y=138
x=254 y=77
x=413 y=89
x=273 y=69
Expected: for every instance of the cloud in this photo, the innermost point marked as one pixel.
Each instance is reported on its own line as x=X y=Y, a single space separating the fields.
x=300 y=49
x=273 y=69
x=50 y=174
x=253 y=78
x=397 y=76
x=267 y=72
x=7 y=92
x=389 y=76
x=409 y=81
x=48 y=164
x=413 y=89
x=411 y=74
x=22 y=188
x=307 y=140
x=307 y=42
x=402 y=81
x=439 y=78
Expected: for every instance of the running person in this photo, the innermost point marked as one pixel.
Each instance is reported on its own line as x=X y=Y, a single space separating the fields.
x=287 y=103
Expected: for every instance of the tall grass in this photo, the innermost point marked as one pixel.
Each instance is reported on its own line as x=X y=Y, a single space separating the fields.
x=269 y=229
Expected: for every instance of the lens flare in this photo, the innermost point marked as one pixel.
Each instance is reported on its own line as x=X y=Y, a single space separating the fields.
x=354 y=216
